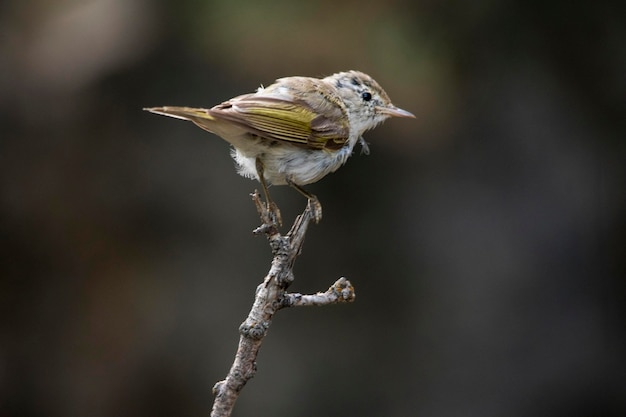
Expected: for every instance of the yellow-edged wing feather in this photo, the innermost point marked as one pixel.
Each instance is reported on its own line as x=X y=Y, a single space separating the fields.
x=307 y=112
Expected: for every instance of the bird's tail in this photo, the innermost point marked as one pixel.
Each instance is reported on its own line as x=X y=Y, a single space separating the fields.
x=201 y=117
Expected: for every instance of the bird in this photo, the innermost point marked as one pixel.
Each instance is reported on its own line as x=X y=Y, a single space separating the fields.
x=297 y=130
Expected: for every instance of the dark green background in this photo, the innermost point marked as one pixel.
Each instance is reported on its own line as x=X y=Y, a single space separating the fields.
x=485 y=238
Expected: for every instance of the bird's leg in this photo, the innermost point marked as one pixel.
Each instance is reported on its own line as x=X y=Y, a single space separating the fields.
x=313 y=202
x=271 y=206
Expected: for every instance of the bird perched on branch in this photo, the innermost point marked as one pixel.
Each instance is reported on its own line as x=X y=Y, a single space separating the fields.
x=297 y=130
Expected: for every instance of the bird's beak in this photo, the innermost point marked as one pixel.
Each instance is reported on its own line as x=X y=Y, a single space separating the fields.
x=394 y=112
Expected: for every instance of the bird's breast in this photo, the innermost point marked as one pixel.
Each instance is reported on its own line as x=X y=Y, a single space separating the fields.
x=281 y=161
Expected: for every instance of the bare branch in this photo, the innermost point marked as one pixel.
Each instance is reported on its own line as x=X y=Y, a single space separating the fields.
x=340 y=292
x=270 y=297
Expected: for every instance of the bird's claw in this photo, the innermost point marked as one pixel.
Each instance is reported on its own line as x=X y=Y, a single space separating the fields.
x=316 y=209
x=274 y=213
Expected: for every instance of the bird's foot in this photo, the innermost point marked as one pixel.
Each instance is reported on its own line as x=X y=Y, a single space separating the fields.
x=274 y=213
x=316 y=208
x=269 y=213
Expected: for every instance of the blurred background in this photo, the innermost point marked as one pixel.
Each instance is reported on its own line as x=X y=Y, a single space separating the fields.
x=485 y=239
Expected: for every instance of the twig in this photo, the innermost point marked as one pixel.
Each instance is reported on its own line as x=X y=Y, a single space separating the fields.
x=271 y=296
x=340 y=292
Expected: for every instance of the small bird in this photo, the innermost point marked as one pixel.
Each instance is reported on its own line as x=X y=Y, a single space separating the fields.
x=297 y=130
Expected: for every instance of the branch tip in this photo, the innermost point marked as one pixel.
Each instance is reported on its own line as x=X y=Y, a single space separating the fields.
x=340 y=292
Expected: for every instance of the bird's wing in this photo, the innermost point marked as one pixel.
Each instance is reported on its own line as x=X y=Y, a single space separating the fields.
x=316 y=122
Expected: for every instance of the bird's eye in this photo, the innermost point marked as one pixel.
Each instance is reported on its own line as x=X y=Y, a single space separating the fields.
x=366 y=96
